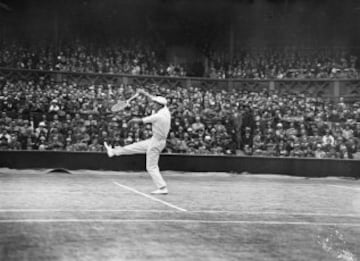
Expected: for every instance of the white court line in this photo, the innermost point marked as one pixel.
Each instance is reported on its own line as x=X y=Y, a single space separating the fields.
x=245 y=222
x=86 y=210
x=149 y=197
x=265 y=213
x=346 y=187
x=256 y=213
x=61 y=192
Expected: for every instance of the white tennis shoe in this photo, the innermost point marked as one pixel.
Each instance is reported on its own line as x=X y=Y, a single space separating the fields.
x=162 y=191
x=109 y=150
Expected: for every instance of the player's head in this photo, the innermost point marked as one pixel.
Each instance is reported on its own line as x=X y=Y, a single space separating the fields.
x=158 y=102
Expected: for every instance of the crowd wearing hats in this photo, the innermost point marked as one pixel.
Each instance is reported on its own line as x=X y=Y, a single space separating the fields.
x=139 y=57
x=285 y=63
x=130 y=56
x=65 y=116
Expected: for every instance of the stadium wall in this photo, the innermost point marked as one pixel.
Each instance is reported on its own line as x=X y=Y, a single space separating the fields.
x=180 y=162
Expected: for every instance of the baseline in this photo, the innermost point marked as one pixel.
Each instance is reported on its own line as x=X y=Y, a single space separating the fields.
x=256 y=213
x=240 y=222
x=149 y=197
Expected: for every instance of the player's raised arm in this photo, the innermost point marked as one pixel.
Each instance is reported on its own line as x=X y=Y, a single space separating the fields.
x=135 y=120
x=145 y=93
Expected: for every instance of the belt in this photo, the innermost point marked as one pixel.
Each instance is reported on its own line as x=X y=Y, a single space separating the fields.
x=158 y=138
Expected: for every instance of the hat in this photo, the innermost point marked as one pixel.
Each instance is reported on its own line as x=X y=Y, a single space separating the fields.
x=159 y=99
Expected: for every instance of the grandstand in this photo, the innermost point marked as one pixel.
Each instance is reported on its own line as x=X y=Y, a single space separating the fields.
x=254 y=87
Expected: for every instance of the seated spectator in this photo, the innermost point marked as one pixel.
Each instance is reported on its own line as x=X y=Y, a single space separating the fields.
x=55 y=143
x=291 y=131
x=30 y=143
x=42 y=144
x=41 y=130
x=247 y=141
x=95 y=145
x=281 y=149
x=319 y=153
x=328 y=138
x=197 y=125
x=347 y=132
x=5 y=139
x=54 y=106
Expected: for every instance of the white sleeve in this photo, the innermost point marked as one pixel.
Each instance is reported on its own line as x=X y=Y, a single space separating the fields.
x=151 y=118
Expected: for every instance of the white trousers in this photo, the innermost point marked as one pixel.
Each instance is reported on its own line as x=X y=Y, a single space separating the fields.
x=152 y=147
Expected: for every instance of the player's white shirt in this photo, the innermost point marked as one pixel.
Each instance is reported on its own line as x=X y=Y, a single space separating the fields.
x=160 y=122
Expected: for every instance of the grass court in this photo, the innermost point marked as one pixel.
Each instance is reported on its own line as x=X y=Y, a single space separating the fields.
x=95 y=215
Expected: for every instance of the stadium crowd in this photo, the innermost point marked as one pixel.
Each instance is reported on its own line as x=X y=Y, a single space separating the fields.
x=145 y=58
x=64 y=116
x=287 y=63
x=131 y=57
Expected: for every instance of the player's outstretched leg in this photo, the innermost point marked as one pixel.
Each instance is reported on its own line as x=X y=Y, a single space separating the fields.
x=135 y=148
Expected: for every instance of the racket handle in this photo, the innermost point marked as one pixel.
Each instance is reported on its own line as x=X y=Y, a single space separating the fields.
x=132 y=97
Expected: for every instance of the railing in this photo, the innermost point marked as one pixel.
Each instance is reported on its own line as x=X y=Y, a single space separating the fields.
x=325 y=88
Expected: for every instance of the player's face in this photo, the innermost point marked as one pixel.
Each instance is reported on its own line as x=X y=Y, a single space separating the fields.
x=156 y=106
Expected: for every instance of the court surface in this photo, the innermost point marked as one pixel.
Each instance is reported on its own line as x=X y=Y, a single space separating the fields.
x=89 y=215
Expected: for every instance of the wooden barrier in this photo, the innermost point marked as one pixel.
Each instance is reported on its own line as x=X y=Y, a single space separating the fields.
x=303 y=167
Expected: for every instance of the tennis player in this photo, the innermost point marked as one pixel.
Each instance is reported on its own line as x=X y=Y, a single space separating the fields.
x=160 y=122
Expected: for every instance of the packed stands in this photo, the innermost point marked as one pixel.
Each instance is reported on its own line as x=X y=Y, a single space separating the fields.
x=41 y=115
x=129 y=57
x=138 y=58
x=286 y=63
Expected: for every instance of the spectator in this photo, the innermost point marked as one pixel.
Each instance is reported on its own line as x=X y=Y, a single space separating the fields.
x=197 y=125
x=328 y=139
x=319 y=153
x=5 y=139
x=54 y=106
x=41 y=130
x=42 y=144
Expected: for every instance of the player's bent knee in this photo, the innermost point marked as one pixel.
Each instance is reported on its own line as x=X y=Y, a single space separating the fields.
x=152 y=168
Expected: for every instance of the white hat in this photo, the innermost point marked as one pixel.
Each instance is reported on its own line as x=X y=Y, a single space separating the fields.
x=159 y=99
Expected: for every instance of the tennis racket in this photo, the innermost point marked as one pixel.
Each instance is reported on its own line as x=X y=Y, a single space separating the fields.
x=120 y=105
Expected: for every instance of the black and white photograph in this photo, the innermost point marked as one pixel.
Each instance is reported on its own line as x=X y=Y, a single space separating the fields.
x=179 y=130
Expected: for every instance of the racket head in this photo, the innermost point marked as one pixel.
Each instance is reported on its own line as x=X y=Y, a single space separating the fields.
x=119 y=106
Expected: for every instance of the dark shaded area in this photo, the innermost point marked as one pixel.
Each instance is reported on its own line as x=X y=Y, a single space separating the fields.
x=59 y=170
x=178 y=162
x=197 y=23
x=185 y=31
